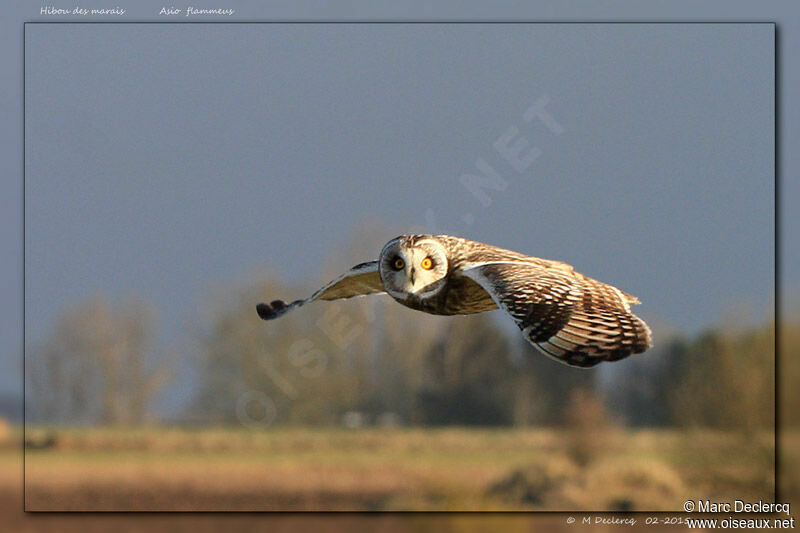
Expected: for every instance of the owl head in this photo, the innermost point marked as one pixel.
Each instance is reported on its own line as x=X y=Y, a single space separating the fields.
x=413 y=266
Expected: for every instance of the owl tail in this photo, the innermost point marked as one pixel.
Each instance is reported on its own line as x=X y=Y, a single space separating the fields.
x=589 y=338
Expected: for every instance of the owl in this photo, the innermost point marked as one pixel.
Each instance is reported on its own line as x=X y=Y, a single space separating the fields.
x=569 y=317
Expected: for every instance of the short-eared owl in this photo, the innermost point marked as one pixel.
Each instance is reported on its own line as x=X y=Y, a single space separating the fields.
x=570 y=317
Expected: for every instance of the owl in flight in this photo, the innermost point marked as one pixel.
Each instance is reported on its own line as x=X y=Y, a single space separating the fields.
x=568 y=316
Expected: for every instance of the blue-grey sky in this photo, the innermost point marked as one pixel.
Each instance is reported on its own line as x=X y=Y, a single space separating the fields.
x=163 y=160
x=169 y=160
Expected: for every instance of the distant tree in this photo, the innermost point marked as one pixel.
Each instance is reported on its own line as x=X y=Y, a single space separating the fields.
x=728 y=380
x=310 y=367
x=251 y=371
x=468 y=374
x=96 y=366
x=638 y=389
x=549 y=384
x=589 y=428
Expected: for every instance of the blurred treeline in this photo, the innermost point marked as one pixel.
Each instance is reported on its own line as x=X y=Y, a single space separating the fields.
x=377 y=358
x=372 y=361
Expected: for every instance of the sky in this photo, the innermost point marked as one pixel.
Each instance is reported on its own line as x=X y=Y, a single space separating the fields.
x=166 y=161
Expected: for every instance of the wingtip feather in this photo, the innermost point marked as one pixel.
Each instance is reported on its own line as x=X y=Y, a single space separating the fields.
x=272 y=310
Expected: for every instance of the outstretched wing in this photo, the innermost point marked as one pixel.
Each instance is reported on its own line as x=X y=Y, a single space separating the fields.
x=568 y=316
x=360 y=280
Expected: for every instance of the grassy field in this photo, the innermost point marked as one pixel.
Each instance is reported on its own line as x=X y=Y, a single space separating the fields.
x=401 y=469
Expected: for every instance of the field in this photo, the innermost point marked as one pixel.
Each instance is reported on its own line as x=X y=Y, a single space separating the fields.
x=398 y=469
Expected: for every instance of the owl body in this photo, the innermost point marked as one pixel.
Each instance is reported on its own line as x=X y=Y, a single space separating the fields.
x=570 y=317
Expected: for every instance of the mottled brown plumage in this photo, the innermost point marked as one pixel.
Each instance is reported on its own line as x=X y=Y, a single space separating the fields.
x=568 y=316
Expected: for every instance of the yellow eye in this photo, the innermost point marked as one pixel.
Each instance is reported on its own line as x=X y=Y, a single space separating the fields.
x=399 y=264
x=427 y=263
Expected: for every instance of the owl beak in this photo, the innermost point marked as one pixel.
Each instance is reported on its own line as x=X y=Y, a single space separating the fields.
x=412 y=275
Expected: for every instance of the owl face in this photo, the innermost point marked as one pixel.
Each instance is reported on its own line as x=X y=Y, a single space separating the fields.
x=411 y=268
